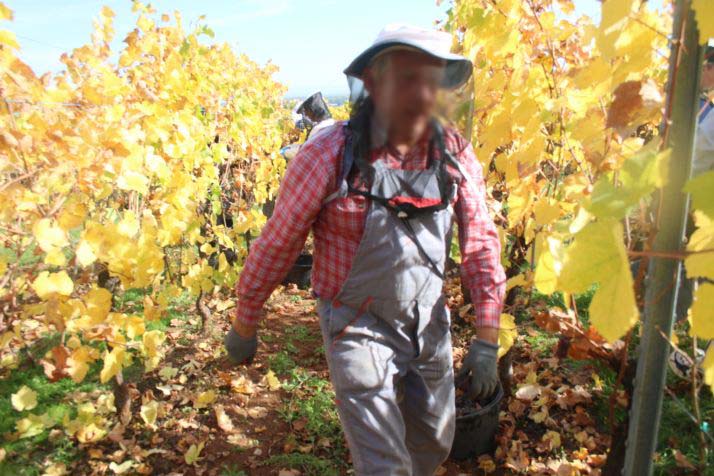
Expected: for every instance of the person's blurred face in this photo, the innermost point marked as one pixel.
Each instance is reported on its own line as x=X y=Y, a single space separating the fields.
x=404 y=85
x=707 y=81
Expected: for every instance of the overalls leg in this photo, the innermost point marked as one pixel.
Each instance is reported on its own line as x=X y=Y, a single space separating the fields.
x=428 y=405
x=363 y=373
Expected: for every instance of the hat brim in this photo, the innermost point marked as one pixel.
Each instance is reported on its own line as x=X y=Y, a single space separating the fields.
x=458 y=68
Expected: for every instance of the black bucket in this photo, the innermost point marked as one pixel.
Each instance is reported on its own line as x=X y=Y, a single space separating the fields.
x=476 y=431
x=301 y=272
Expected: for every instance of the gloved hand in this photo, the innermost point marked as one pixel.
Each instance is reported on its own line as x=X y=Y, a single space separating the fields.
x=480 y=362
x=240 y=349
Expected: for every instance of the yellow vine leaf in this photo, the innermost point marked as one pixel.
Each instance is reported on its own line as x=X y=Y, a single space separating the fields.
x=134 y=327
x=48 y=235
x=613 y=310
x=56 y=257
x=32 y=425
x=5 y=12
x=73 y=214
x=598 y=256
x=507 y=334
x=8 y=39
x=546 y=211
x=548 y=267
x=204 y=399
x=128 y=225
x=24 y=399
x=89 y=426
x=193 y=453
x=48 y=284
x=150 y=343
x=113 y=362
x=152 y=311
x=149 y=411
x=272 y=381
x=615 y=15
x=708 y=367
x=85 y=254
x=78 y=362
x=98 y=302
x=704 y=10
x=702 y=312
x=701 y=263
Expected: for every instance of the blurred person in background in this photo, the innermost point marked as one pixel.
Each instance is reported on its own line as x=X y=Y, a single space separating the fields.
x=704 y=145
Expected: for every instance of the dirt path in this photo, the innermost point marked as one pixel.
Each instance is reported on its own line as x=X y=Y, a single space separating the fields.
x=277 y=416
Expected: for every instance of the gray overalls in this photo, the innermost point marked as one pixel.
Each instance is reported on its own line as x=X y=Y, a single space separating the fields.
x=386 y=334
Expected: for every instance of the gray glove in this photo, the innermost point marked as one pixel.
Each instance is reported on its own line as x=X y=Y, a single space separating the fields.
x=240 y=349
x=480 y=362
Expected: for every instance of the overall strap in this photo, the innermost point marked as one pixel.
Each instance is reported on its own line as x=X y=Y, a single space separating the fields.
x=348 y=160
x=348 y=157
x=705 y=107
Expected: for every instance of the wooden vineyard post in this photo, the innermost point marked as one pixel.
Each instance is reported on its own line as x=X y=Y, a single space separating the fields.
x=671 y=208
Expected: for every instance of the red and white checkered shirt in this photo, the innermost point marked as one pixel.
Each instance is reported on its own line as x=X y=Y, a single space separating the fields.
x=337 y=226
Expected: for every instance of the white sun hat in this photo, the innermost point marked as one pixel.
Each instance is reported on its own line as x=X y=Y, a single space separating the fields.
x=431 y=42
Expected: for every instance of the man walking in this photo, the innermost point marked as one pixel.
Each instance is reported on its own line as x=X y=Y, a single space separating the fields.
x=380 y=194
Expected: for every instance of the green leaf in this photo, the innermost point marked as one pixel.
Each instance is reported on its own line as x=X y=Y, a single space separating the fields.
x=640 y=175
x=701 y=188
x=598 y=255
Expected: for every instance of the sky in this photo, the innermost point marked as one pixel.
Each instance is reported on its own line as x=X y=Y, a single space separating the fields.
x=311 y=41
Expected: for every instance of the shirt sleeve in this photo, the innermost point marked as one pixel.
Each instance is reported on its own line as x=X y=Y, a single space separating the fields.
x=481 y=270
x=308 y=179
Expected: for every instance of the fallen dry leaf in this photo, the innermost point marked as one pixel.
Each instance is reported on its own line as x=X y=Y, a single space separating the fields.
x=551 y=439
x=242 y=385
x=242 y=441
x=486 y=464
x=289 y=472
x=682 y=461
x=224 y=421
x=528 y=392
x=204 y=399
x=272 y=381
x=257 y=412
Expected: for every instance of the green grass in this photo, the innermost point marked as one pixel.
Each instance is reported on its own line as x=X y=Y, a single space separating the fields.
x=542 y=342
x=131 y=301
x=299 y=333
x=25 y=456
x=314 y=400
x=296 y=335
x=307 y=463
x=176 y=310
x=268 y=338
x=678 y=431
x=232 y=470
x=281 y=363
x=582 y=301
